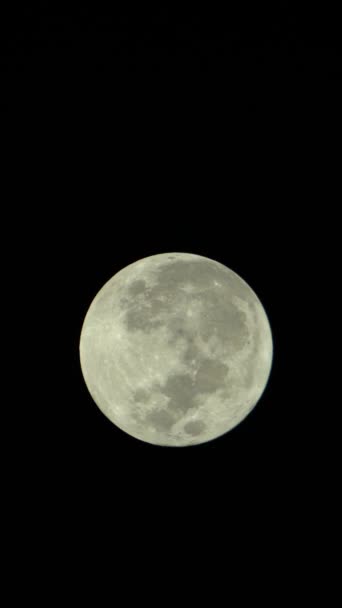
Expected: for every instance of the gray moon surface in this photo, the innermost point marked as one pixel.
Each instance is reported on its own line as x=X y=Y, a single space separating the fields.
x=176 y=349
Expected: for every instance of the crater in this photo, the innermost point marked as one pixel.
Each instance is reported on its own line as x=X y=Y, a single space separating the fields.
x=194 y=427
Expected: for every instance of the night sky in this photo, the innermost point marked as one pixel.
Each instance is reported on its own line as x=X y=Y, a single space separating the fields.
x=131 y=132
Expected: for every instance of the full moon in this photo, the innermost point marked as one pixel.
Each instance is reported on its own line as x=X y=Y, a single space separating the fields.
x=176 y=349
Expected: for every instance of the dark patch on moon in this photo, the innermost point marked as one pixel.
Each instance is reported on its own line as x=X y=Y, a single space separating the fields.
x=124 y=302
x=178 y=329
x=180 y=390
x=160 y=420
x=136 y=287
x=191 y=353
x=141 y=395
x=142 y=313
x=223 y=319
x=143 y=318
x=194 y=427
x=211 y=375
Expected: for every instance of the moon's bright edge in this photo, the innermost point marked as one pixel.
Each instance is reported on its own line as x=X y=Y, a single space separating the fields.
x=176 y=349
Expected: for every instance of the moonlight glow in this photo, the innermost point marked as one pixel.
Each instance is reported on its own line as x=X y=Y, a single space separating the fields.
x=176 y=349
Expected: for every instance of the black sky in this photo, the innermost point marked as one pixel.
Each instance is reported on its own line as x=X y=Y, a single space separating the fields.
x=133 y=132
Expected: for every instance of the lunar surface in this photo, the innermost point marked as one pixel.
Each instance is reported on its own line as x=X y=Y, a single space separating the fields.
x=176 y=349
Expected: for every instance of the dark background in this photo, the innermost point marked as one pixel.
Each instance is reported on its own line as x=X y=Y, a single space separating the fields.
x=130 y=132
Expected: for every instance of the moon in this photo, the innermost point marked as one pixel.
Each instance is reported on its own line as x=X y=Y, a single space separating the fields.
x=176 y=349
